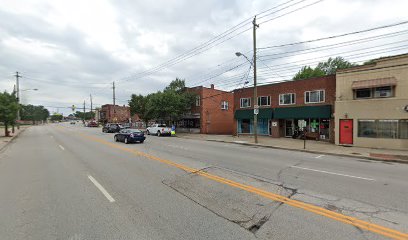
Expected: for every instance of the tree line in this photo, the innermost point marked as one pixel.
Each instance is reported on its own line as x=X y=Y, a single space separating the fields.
x=166 y=106
x=9 y=107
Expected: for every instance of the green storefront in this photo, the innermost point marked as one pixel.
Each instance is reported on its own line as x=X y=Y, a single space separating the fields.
x=245 y=121
x=317 y=120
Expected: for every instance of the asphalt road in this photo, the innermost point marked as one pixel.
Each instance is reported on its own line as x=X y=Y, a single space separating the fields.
x=70 y=182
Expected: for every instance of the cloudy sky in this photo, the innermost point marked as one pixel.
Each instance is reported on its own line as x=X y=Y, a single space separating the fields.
x=71 y=49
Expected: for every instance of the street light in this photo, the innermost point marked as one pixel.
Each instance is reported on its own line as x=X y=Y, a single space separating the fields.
x=238 y=54
x=256 y=107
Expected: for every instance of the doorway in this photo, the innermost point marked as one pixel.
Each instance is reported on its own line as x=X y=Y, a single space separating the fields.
x=289 y=126
x=346 y=131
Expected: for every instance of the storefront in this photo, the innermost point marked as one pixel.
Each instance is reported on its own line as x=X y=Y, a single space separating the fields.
x=316 y=120
x=245 y=121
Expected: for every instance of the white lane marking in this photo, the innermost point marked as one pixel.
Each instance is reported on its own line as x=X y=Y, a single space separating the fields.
x=62 y=148
x=339 y=174
x=319 y=156
x=103 y=190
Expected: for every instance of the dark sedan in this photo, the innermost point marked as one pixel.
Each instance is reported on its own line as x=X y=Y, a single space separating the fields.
x=129 y=136
x=112 y=128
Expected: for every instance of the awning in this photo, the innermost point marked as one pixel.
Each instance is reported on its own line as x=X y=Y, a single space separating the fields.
x=249 y=113
x=379 y=82
x=303 y=112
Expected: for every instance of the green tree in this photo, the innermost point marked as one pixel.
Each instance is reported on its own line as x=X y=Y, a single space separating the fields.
x=88 y=115
x=332 y=64
x=308 y=72
x=323 y=68
x=172 y=103
x=34 y=113
x=56 y=117
x=138 y=105
x=8 y=110
x=177 y=85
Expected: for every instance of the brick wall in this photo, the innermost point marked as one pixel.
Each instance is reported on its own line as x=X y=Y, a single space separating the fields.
x=215 y=120
x=327 y=83
x=121 y=114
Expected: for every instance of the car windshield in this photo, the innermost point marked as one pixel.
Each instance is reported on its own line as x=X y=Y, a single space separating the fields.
x=162 y=125
x=135 y=131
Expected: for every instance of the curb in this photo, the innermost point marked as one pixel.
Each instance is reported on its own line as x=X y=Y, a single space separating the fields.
x=12 y=139
x=308 y=151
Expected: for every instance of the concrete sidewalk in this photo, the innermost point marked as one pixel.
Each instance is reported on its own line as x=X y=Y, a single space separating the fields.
x=5 y=140
x=318 y=147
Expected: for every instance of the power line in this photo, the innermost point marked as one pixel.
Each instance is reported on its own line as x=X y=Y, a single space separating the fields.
x=337 y=36
x=199 y=49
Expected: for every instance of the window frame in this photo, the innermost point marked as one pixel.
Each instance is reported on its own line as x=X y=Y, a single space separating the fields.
x=318 y=90
x=198 y=101
x=241 y=101
x=268 y=101
x=381 y=133
x=224 y=105
x=373 y=92
x=355 y=93
x=283 y=94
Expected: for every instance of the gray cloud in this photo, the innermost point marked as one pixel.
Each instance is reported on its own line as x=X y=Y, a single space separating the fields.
x=67 y=64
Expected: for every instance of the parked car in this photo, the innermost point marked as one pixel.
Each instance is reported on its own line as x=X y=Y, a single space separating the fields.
x=159 y=130
x=112 y=128
x=92 y=124
x=129 y=136
x=72 y=122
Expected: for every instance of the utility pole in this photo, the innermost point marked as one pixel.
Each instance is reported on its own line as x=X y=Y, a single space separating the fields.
x=114 y=102
x=18 y=97
x=256 y=106
x=84 y=112
x=90 y=96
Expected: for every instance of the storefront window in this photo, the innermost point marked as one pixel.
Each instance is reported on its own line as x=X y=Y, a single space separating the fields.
x=403 y=129
x=324 y=129
x=387 y=129
x=383 y=128
x=314 y=125
x=244 y=126
x=367 y=128
x=263 y=127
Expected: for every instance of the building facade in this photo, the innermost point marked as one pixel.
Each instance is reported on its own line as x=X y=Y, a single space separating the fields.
x=284 y=107
x=114 y=114
x=372 y=104
x=212 y=112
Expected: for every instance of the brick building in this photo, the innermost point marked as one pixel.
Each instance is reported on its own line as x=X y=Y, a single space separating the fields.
x=110 y=113
x=286 y=106
x=212 y=112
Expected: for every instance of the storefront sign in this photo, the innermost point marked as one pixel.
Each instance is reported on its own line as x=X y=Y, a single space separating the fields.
x=302 y=123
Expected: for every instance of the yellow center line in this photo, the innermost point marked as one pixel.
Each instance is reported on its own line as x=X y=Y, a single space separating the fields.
x=388 y=232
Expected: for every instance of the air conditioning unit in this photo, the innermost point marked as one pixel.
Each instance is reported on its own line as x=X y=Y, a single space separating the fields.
x=384 y=94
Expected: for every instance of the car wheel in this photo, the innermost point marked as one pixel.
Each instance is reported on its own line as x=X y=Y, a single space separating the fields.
x=126 y=141
x=141 y=141
x=115 y=138
x=158 y=133
x=147 y=132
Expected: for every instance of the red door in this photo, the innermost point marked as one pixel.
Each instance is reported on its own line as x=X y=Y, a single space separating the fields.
x=346 y=131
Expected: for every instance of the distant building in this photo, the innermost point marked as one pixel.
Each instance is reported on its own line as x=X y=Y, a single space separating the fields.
x=212 y=112
x=118 y=114
x=372 y=104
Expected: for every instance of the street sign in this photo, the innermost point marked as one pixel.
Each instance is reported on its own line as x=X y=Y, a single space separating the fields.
x=73 y=108
x=256 y=111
